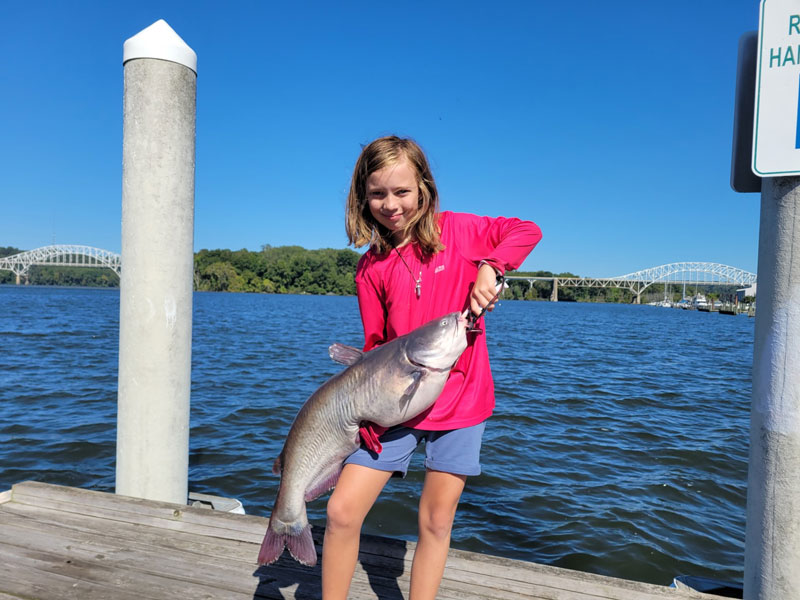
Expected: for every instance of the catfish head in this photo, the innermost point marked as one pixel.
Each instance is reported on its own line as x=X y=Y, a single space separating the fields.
x=438 y=344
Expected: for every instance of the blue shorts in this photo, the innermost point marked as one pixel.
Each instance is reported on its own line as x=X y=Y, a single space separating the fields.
x=454 y=451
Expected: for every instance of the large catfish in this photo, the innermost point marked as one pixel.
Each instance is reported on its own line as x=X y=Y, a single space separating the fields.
x=387 y=386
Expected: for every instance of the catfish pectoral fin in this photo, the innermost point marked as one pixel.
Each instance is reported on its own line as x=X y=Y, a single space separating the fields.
x=411 y=389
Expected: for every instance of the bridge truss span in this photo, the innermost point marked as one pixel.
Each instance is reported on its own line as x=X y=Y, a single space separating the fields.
x=692 y=273
x=61 y=256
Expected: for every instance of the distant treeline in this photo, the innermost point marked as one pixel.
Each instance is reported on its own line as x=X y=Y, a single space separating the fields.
x=279 y=270
x=295 y=270
x=272 y=270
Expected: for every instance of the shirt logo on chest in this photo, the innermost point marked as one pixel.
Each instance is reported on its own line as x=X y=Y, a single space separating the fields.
x=439 y=269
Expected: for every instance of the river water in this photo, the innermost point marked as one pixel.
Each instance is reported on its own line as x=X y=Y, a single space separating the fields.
x=618 y=445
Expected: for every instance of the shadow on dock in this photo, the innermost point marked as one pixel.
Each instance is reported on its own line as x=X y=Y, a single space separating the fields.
x=383 y=571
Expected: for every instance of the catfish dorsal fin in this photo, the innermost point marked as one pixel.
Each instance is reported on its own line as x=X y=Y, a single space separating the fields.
x=346 y=355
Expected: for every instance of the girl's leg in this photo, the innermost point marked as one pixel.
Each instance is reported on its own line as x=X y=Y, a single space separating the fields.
x=355 y=493
x=437 y=509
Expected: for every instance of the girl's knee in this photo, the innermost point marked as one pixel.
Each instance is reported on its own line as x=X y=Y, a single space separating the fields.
x=436 y=521
x=343 y=515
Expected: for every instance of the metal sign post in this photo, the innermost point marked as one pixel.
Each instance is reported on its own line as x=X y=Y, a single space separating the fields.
x=772 y=539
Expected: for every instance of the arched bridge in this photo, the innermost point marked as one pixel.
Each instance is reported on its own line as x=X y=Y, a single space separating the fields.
x=60 y=256
x=693 y=273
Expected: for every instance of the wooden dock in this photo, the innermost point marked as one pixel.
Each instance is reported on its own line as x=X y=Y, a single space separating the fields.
x=69 y=543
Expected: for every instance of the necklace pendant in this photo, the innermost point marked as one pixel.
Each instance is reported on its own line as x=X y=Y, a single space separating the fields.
x=418 y=287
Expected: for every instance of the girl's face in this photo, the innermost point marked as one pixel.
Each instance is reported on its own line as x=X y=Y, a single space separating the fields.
x=393 y=196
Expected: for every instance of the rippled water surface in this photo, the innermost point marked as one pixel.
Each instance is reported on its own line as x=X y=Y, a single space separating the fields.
x=618 y=446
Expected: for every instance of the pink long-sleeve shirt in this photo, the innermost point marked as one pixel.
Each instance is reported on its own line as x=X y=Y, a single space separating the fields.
x=390 y=308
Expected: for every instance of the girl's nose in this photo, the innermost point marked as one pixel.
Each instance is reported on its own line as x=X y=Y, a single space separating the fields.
x=390 y=202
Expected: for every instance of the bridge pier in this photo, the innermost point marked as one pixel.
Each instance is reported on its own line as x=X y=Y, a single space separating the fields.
x=554 y=293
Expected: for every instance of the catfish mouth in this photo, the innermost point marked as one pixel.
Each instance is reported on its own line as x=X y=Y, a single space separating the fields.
x=461 y=324
x=460 y=328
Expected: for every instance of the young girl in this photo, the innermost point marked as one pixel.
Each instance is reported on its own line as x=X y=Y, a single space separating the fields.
x=421 y=264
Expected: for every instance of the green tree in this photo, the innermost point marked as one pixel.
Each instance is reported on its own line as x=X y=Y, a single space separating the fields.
x=221 y=277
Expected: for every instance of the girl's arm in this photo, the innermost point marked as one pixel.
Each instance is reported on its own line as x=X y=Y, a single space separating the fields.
x=495 y=245
x=373 y=318
x=372 y=308
x=504 y=243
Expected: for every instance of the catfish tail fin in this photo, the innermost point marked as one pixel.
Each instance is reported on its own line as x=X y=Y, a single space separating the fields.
x=271 y=547
x=301 y=547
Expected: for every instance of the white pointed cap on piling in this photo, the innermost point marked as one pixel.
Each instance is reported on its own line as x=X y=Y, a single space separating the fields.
x=159 y=41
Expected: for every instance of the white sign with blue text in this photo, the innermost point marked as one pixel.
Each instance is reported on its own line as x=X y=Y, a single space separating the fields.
x=776 y=130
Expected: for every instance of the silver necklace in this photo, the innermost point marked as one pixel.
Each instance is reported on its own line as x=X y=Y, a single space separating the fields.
x=418 y=280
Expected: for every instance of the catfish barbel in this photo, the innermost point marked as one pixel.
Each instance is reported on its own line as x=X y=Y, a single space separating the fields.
x=388 y=385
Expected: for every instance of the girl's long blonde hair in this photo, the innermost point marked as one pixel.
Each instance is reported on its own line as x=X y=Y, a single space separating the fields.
x=362 y=228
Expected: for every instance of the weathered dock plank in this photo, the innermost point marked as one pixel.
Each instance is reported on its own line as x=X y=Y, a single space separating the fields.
x=61 y=542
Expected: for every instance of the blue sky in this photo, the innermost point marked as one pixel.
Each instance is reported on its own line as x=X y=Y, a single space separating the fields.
x=607 y=123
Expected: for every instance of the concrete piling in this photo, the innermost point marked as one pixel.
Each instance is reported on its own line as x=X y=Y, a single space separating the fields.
x=772 y=539
x=157 y=258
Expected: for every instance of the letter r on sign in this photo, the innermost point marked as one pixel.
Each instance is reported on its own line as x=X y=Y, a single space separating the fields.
x=794 y=23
